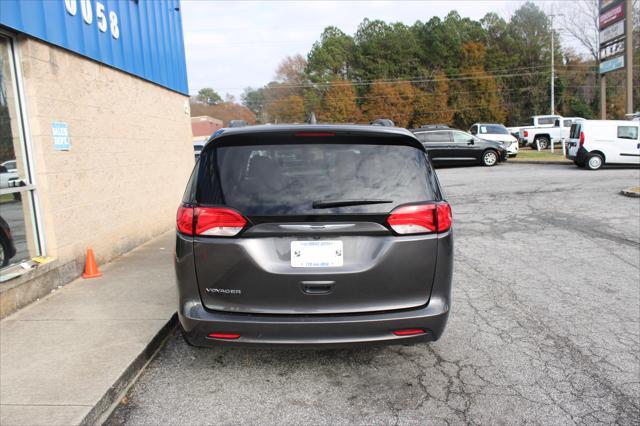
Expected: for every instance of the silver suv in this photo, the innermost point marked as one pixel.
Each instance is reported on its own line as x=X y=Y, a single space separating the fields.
x=313 y=236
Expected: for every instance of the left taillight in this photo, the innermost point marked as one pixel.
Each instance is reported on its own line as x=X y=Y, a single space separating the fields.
x=184 y=220
x=209 y=221
x=421 y=218
x=220 y=222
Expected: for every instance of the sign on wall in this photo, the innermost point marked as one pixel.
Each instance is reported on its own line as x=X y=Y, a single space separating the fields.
x=614 y=31
x=60 y=133
x=140 y=37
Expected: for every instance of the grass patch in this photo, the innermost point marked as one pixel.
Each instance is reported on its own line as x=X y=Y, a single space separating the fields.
x=526 y=154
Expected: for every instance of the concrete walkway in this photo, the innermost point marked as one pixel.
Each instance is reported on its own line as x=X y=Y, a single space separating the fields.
x=66 y=358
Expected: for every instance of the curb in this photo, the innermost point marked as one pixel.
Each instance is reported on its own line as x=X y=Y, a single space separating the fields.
x=629 y=192
x=538 y=162
x=112 y=396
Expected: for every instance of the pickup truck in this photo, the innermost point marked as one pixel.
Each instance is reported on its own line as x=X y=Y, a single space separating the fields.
x=546 y=129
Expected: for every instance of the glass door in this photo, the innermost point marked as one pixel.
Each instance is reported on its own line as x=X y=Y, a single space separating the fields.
x=19 y=231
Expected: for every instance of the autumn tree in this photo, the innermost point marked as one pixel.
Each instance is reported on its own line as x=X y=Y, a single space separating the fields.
x=431 y=104
x=477 y=96
x=389 y=100
x=339 y=104
x=209 y=96
x=287 y=109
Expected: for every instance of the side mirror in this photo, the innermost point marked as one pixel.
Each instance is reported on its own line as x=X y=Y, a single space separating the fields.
x=471 y=141
x=3 y=169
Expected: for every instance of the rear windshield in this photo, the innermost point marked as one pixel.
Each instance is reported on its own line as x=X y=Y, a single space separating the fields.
x=493 y=129
x=288 y=179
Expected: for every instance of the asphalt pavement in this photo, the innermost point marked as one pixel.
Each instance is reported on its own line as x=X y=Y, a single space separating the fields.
x=545 y=326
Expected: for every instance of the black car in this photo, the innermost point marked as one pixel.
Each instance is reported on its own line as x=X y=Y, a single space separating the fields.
x=7 y=248
x=451 y=146
x=313 y=235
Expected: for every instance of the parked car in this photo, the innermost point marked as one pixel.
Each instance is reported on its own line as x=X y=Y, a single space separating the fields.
x=237 y=123
x=451 y=146
x=7 y=247
x=197 y=147
x=383 y=122
x=593 y=143
x=313 y=235
x=543 y=135
x=8 y=178
x=497 y=133
x=11 y=166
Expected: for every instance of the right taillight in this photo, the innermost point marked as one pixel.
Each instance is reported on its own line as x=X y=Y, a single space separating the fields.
x=421 y=218
x=526 y=134
x=581 y=138
x=209 y=221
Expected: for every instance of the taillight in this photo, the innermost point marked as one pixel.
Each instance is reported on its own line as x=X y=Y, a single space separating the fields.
x=581 y=138
x=211 y=221
x=526 y=134
x=184 y=220
x=219 y=222
x=409 y=332
x=230 y=336
x=420 y=219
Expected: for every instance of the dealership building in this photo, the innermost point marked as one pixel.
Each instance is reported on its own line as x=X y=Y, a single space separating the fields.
x=95 y=135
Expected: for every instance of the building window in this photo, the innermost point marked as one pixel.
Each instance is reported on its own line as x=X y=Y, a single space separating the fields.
x=19 y=227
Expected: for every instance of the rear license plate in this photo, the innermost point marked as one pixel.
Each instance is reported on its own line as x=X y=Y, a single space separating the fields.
x=316 y=254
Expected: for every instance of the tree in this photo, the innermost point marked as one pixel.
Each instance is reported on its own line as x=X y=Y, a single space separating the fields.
x=331 y=57
x=291 y=70
x=389 y=100
x=209 y=96
x=288 y=109
x=254 y=99
x=431 y=105
x=477 y=97
x=339 y=104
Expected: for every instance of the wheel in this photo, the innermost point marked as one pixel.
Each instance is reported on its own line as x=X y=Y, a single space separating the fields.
x=489 y=158
x=594 y=161
x=543 y=142
x=4 y=252
x=578 y=163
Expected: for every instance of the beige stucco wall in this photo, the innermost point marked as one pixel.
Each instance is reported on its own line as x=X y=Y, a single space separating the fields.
x=131 y=152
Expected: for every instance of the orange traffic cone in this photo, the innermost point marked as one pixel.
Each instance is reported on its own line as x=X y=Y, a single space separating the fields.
x=90 y=268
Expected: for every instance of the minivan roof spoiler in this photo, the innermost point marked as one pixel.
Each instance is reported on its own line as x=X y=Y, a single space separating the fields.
x=230 y=135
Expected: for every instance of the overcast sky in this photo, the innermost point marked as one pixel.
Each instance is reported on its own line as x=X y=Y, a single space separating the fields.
x=233 y=44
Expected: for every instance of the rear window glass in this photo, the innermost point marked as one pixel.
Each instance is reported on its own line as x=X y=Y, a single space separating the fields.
x=287 y=179
x=492 y=129
x=434 y=137
x=574 y=133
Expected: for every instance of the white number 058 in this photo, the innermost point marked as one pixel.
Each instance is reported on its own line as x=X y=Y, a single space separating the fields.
x=87 y=15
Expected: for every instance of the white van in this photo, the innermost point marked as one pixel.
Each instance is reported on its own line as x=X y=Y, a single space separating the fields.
x=593 y=143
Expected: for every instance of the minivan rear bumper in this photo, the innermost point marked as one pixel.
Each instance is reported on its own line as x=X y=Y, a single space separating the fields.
x=314 y=330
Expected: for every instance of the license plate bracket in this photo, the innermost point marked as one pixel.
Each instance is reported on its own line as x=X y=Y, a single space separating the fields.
x=317 y=254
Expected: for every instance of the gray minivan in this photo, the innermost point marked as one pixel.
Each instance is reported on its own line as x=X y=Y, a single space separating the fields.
x=313 y=235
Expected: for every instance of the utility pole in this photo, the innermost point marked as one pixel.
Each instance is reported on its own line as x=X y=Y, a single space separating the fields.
x=603 y=97
x=629 y=54
x=552 y=72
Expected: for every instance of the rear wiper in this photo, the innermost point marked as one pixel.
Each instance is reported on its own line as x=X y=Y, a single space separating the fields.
x=345 y=203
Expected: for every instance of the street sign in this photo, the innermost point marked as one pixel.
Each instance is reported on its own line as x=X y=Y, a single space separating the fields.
x=612 y=64
x=606 y=3
x=612 y=15
x=612 y=32
x=612 y=50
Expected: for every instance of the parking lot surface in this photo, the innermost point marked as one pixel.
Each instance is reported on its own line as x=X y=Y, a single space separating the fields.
x=544 y=329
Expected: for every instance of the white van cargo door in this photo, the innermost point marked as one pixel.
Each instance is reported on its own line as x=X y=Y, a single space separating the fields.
x=628 y=143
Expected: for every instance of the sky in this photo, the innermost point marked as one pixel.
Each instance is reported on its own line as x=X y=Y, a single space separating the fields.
x=234 y=44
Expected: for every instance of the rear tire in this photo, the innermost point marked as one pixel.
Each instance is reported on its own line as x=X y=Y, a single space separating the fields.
x=4 y=252
x=489 y=158
x=594 y=161
x=542 y=142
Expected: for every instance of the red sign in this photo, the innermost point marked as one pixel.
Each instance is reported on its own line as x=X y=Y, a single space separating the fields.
x=612 y=15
